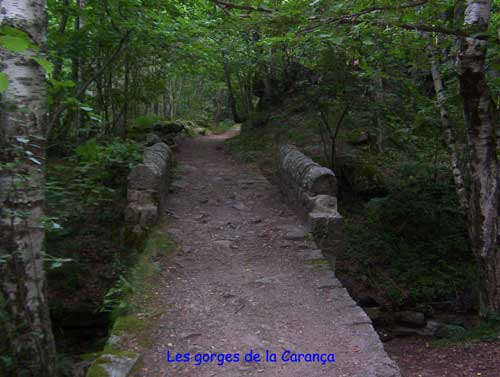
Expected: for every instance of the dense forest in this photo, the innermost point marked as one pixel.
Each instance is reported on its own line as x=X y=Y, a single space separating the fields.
x=400 y=99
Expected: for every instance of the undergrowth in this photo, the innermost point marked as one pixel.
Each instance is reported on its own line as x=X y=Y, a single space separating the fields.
x=487 y=331
x=221 y=127
x=130 y=300
x=86 y=198
x=133 y=290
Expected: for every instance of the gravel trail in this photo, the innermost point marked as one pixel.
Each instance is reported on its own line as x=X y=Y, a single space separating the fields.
x=248 y=277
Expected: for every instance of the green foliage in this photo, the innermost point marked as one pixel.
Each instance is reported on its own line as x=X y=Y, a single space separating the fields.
x=6 y=359
x=257 y=119
x=417 y=236
x=88 y=151
x=144 y=123
x=85 y=204
x=56 y=262
x=222 y=126
x=113 y=301
x=45 y=64
x=130 y=300
x=410 y=238
x=153 y=58
x=4 y=82
x=91 y=179
x=129 y=292
x=128 y=325
x=486 y=331
x=97 y=371
x=15 y=43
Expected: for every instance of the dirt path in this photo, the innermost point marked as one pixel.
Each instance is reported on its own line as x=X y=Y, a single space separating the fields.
x=246 y=277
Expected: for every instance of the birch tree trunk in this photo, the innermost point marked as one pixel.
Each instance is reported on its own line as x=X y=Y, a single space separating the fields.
x=22 y=157
x=481 y=139
x=448 y=127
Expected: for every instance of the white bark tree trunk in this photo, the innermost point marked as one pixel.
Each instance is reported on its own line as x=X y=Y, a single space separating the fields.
x=481 y=139
x=22 y=157
x=448 y=128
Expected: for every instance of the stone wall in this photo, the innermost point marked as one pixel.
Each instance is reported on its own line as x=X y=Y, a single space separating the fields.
x=147 y=187
x=312 y=189
x=146 y=193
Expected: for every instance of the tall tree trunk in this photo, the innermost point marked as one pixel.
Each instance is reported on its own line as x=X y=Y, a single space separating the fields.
x=448 y=128
x=101 y=99
x=165 y=106
x=232 y=100
x=171 y=97
x=126 y=99
x=61 y=30
x=380 y=99
x=219 y=103
x=22 y=153
x=481 y=139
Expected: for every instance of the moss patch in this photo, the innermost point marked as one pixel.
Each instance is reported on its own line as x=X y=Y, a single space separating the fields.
x=107 y=353
x=97 y=371
x=156 y=254
x=128 y=324
x=102 y=360
x=320 y=262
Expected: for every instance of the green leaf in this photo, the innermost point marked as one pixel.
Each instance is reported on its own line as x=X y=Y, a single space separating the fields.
x=62 y=84
x=4 y=82
x=7 y=360
x=22 y=139
x=46 y=65
x=32 y=159
x=88 y=151
x=55 y=265
x=9 y=30
x=14 y=44
x=56 y=226
x=337 y=40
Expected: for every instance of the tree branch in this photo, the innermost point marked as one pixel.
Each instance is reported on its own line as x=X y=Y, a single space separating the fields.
x=108 y=12
x=85 y=85
x=411 y=27
x=353 y=19
x=225 y=5
x=439 y=30
x=353 y=16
